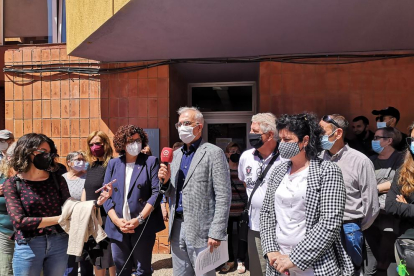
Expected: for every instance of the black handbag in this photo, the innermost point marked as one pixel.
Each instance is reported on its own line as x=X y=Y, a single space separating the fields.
x=244 y=217
x=404 y=249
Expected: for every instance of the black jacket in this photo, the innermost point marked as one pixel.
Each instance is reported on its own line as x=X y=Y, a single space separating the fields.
x=402 y=210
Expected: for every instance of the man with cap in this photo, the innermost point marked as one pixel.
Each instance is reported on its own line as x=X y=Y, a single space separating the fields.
x=389 y=117
x=6 y=139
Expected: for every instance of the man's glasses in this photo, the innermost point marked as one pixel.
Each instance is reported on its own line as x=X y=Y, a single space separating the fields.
x=379 y=137
x=328 y=119
x=185 y=123
x=409 y=140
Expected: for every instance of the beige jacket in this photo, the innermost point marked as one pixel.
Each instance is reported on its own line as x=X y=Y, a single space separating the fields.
x=80 y=220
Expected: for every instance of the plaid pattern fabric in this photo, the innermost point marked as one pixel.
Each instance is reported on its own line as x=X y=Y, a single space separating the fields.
x=206 y=195
x=288 y=150
x=325 y=202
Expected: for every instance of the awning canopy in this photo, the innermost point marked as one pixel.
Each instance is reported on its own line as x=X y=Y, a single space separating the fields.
x=183 y=29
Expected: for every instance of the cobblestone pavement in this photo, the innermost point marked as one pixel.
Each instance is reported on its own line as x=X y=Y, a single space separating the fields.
x=162 y=265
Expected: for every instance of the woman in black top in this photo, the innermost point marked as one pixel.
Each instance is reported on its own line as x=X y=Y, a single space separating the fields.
x=98 y=153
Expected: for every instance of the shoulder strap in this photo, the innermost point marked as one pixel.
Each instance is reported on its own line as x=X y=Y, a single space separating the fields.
x=259 y=180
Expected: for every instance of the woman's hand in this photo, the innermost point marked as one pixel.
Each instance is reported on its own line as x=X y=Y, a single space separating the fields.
x=105 y=194
x=132 y=224
x=271 y=257
x=1 y=190
x=283 y=264
x=164 y=211
x=401 y=198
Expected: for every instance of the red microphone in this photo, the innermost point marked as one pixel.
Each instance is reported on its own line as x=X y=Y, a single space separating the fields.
x=167 y=155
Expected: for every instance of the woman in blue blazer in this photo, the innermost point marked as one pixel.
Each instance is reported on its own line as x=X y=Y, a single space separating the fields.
x=131 y=207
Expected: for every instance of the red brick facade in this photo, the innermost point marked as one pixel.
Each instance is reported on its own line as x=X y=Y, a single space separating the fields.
x=350 y=90
x=68 y=107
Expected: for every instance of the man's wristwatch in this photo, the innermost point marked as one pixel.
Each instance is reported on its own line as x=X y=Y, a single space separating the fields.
x=141 y=219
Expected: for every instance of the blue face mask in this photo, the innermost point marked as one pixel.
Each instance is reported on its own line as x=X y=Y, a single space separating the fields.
x=376 y=146
x=325 y=143
x=412 y=147
x=381 y=124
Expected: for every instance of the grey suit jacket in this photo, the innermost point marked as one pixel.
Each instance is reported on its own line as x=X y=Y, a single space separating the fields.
x=206 y=195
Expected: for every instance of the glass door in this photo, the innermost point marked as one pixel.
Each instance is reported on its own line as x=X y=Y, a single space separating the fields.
x=220 y=132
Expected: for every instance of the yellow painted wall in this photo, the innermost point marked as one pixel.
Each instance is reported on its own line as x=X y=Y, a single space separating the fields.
x=85 y=16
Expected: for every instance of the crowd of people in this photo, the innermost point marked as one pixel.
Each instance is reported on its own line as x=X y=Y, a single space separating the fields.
x=317 y=203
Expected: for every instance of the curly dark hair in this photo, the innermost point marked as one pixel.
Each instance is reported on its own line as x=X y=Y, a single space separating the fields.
x=302 y=125
x=124 y=135
x=25 y=146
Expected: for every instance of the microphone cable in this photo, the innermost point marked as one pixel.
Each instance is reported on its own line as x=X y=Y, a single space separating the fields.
x=160 y=192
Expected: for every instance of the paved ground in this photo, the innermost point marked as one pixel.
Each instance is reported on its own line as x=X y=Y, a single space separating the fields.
x=162 y=265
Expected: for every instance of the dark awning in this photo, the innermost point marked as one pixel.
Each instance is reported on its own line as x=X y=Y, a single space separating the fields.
x=181 y=29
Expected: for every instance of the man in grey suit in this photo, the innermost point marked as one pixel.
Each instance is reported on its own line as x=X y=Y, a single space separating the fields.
x=198 y=183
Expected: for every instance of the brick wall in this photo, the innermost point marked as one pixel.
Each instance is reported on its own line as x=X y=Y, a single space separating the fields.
x=68 y=107
x=351 y=90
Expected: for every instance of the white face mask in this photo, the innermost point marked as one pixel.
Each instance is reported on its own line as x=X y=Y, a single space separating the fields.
x=134 y=148
x=3 y=146
x=79 y=165
x=186 y=134
x=381 y=124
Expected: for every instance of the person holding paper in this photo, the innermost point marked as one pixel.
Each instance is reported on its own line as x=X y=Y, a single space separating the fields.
x=302 y=212
x=198 y=182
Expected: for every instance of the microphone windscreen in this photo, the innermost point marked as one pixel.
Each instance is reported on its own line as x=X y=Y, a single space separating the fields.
x=167 y=155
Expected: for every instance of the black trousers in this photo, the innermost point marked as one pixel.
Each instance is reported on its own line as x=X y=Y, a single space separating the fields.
x=241 y=245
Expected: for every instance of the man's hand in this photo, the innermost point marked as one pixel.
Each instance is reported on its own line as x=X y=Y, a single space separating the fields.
x=401 y=198
x=164 y=173
x=212 y=243
x=283 y=264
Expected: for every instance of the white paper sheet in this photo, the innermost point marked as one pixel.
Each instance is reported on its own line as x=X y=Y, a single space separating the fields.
x=207 y=261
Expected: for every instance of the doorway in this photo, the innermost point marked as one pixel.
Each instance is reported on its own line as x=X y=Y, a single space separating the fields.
x=227 y=108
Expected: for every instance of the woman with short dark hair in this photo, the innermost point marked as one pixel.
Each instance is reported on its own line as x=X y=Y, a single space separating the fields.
x=132 y=213
x=303 y=209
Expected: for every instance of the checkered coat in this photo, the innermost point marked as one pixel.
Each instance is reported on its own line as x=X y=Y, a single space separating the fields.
x=325 y=202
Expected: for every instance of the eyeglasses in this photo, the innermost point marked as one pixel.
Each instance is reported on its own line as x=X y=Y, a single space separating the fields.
x=328 y=119
x=78 y=159
x=409 y=140
x=185 y=123
x=234 y=151
x=40 y=151
x=379 y=137
x=381 y=118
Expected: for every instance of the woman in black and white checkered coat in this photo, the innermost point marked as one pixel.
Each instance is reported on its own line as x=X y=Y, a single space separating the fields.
x=303 y=208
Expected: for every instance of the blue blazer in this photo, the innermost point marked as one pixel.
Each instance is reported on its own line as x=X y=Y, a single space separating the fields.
x=144 y=187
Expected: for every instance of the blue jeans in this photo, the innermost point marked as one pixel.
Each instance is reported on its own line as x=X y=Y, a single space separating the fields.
x=353 y=242
x=47 y=253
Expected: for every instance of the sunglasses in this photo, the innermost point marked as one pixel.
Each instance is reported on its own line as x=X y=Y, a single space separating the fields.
x=328 y=119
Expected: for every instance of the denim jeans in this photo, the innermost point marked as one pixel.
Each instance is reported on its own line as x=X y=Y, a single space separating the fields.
x=353 y=242
x=47 y=253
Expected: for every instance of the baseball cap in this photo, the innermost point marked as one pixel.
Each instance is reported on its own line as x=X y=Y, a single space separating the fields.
x=5 y=134
x=389 y=111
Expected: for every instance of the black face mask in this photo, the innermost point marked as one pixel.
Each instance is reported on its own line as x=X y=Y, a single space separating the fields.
x=255 y=140
x=43 y=161
x=235 y=157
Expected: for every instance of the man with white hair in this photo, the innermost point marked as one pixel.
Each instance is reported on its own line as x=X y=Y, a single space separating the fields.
x=254 y=170
x=198 y=183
